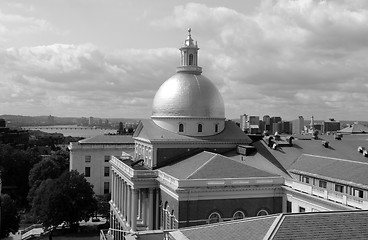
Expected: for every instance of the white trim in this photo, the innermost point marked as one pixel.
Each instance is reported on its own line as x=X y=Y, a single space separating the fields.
x=201 y=166
x=167 y=190
x=337 y=159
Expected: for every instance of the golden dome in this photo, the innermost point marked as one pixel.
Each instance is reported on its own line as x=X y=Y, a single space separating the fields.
x=188 y=95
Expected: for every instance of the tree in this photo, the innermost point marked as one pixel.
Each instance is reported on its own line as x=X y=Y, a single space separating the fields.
x=69 y=198
x=9 y=216
x=15 y=165
x=50 y=167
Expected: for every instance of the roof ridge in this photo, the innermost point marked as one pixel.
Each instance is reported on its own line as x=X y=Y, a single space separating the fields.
x=337 y=159
x=215 y=154
x=274 y=227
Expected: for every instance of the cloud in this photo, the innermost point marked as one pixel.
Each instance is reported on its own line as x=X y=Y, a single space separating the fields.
x=286 y=54
x=15 y=25
x=83 y=77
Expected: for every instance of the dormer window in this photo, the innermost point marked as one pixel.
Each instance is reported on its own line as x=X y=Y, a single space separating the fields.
x=216 y=127
x=181 y=127
x=199 y=127
x=190 y=59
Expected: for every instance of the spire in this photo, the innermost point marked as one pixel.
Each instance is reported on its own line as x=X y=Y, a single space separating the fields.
x=189 y=56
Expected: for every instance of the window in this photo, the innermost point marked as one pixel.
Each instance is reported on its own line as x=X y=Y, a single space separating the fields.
x=238 y=215
x=214 y=217
x=107 y=171
x=216 y=127
x=87 y=158
x=262 y=212
x=181 y=127
x=322 y=184
x=339 y=188
x=306 y=179
x=107 y=158
x=199 y=127
x=87 y=171
x=358 y=193
x=106 y=187
x=289 y=206
x=190 y=59
x=301 y=209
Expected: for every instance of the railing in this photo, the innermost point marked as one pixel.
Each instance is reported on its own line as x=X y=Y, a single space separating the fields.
x=331 y=195
x=34 y=230
x=114 y=234
x=128 y=170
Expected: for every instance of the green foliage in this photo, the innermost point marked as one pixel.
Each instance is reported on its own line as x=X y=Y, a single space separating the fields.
x=69 y=198
x=15 y=165
x=49 y=168
x=9 y=216
x=103 y=206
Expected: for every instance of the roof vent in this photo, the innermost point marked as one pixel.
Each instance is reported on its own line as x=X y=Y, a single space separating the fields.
x=325 y=144
x=290 y=140
x=338 y=136
x=245 y=150
x=361 y=149
x=365 y=153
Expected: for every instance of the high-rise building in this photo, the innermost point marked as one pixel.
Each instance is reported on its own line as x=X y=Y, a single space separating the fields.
x=298 y=125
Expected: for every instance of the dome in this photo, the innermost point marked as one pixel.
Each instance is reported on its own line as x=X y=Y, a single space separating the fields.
x=188 y=95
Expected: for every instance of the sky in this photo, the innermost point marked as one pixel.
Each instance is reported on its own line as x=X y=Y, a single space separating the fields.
x=107 y=59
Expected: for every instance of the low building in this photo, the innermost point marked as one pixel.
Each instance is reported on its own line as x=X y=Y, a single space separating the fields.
x=91 y=157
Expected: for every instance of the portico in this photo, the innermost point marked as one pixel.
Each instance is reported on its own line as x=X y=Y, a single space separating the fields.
x=135 y=196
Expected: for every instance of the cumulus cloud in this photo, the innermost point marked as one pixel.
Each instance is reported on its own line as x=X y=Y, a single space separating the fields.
x=287 y=58
x=83 y=77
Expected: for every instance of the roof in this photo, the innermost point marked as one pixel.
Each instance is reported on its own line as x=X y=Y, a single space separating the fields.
x=207 y=165
x=108 y=139
x=296 y=226
x=354 y=129
x=310 y=156
x=147 y=129
x=323 y=225
x=247 y=228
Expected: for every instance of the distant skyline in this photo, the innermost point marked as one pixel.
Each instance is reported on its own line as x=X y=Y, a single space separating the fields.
x=107 y=59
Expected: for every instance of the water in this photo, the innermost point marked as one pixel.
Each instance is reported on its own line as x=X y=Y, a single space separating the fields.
x=72 y=130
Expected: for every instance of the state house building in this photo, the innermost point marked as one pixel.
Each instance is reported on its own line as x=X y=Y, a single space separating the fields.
x=182 y=173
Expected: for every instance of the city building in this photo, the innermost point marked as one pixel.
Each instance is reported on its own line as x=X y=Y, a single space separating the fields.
x=91 y=157
x=331 y=126
x=188 y=166
x=193 y=167
x=250 y=124
x=298 y=125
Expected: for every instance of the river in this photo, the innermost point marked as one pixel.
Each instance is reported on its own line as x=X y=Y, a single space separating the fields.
x=72 y=130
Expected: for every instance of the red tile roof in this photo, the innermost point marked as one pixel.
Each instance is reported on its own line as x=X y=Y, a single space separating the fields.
x=207 y=165
x=296 y=226
x=147 y=129
x=248 y=228
x=109 y=139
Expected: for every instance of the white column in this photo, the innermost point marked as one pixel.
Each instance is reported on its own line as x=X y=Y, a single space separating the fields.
x=129 y=206
x=123 y=200
x=126 y=203
x=157 y=219
x=134 y=209
x=144 y=206
x=150 y=209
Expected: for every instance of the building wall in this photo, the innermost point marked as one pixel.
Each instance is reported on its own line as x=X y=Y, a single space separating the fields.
x=197 y=212
x=97 y=163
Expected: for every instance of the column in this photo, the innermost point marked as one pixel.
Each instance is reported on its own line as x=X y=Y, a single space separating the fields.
x=129 y=206
x=118 y=194
x=126 y=204
x=157 y=219
x=134 y=209
x=150 y=209
x=123 y=200
x=144 y=206
x=113 y=187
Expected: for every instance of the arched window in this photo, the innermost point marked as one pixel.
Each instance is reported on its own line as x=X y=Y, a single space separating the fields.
x=216 y=127
x=190 y=59
x=238 y=215
x=214 y=217
x=181 y=127
x=262 y=212
x=199 y=127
